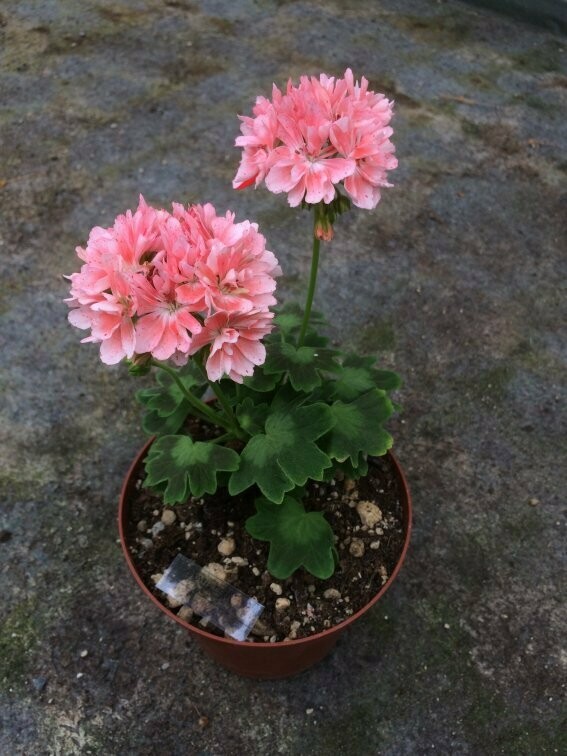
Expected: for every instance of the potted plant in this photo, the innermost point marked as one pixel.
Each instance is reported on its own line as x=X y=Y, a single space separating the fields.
x=268 y=463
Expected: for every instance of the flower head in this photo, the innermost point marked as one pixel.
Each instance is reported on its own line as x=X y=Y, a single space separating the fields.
x=235 y=341
x=315 y=136
x=149 y=282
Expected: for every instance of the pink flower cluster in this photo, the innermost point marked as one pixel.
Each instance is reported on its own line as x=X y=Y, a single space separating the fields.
x=168 y=284
x=316 y=135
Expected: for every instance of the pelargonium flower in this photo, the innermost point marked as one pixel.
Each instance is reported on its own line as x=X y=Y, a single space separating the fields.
x=235 y=343
x=164 y=326
x=240 y=277
x=318 y=135
x=110 y=320
x=149 y=282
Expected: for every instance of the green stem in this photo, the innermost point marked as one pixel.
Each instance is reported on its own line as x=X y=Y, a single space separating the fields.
x=220 y=395
x=312 y=280
x=220 y=439
x=200 y=408
x=225 y=404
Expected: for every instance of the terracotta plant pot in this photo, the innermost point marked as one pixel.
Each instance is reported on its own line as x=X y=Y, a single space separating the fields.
x=263 y=660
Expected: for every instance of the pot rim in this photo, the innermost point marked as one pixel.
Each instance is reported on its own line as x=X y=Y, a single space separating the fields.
x=260 y=644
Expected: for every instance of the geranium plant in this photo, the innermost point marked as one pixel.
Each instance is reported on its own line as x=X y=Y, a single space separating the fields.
x=190 y=293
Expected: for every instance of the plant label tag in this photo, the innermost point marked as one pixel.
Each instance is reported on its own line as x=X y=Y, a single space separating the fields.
x=215 y=600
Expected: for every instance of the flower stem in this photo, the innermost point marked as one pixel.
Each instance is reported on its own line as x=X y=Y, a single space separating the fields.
x=225 y=404
x=220 y=439
x=202 y=410
x=312 y=280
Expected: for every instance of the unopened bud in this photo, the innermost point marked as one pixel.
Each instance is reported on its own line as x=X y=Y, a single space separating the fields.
x=140 y=364
x=324 y=229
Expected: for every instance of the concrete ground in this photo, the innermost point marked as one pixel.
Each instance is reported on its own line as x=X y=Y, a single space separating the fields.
x=455 y=280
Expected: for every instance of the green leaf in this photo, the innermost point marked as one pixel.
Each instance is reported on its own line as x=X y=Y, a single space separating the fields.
x=155 y=425
x=348 y=469
x=260 y=381
x=313 y=339
x=303 y=364
x=188 y=467
x=252 y=416
x=164 y=400
x=358 y=427
x=166 y=407
x=166 y=397
x=287 y=398
x=387 y=380
x=352 y=382
x=229 y=388
x=359 y=369
x=297 y=538
x=288 y=322
x=285 y=455
x=289 y=318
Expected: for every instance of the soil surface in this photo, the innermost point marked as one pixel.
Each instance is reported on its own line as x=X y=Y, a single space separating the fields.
x=301 y=605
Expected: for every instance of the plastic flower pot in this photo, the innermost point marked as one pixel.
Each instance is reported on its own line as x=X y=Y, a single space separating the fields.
x=263 y=660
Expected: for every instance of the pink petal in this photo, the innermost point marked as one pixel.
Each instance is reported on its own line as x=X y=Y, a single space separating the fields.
x=279 y=179
x=213 y=367
x=296 y=194
x=128 y=337
x=79 y=318
x=111 y=350
x=362 y=193
x=167 y=344
x=188 y=321
x=316 y=185
x=253 y=351
x=149 y=331
x=338 y=168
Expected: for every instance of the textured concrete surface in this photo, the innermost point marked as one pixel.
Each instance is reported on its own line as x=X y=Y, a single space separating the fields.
x=550 y=14
x=455 y=280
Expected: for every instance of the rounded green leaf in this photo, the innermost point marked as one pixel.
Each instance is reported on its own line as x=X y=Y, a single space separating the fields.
x=187 y=467
x=297 y=538
x=285 y=455
x=358 y=427
x=303 y=364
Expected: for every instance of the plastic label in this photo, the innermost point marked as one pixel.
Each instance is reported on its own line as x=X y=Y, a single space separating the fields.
x=216 y=601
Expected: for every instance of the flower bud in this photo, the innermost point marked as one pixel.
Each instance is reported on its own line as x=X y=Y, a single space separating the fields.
x=324 y=228
x=140 y=364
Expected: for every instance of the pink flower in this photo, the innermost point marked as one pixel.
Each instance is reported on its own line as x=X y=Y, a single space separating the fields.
x=164 y=326
x=234 y=271
x=134 y=236
x=305 y=177
x=149 y=282
x=183 y=248
x=102 y=295
x=318 y=135
x=259 y=138
x=126 y=247
x=235 y=343
x=110 y=321
x=239 y=277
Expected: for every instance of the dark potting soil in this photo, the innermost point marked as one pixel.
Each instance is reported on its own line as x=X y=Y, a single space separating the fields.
x=301 y=605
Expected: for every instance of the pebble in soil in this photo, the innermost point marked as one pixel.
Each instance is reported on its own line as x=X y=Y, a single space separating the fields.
x=366 y=517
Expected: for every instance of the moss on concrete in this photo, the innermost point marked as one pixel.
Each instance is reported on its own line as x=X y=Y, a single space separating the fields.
x=442 y=30
x=440 y=652
x=491 y=384
x=18 y=638
x=377 y=336
x=544 y=58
